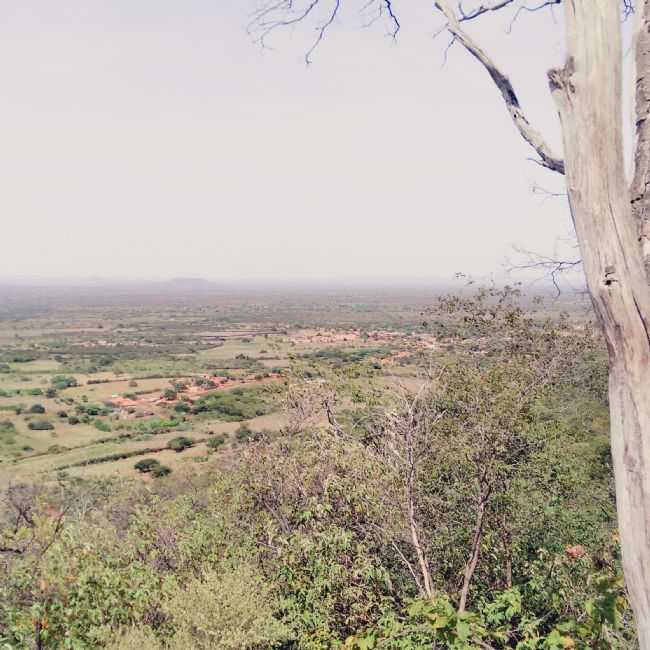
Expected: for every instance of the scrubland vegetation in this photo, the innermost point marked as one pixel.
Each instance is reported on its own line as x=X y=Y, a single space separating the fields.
x=456 y=495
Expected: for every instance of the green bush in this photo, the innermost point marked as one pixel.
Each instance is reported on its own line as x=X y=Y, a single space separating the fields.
x=216 y=441
x=37 y=408
x=7 y=426
x=234 y=405
x=73 y=419
x=181 y=443
x=160 y=470
x=61 y=382
x=40 y=425
x=244 y=433
x=146 y=465
x=100 y=425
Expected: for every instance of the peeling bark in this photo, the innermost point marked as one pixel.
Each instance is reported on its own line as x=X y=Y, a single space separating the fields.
x=641 y=182
x=588 y=95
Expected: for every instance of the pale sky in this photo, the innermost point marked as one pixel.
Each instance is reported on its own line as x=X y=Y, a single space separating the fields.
x=155 y=139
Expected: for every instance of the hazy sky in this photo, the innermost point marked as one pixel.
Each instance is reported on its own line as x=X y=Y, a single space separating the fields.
x=154 y=139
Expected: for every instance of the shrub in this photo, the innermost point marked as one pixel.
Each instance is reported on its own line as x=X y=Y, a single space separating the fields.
x=133 y=383
x=24 y=357
x=216 y=441
x=40 y=425
x=50 y=393
x=181 y=443
x=135 y=638
x=37 y=408
x=61 y=382
x=7 y=426
x=100 y=425
x=33 y=391
x=234 y=405
x=245 y=434
x=229 y=611
x=56 y=449
x=160 y=470
x=73 y=419
x=4 y=367
x=182 y=407
x=62 y=414
x=169 y=393
x=146 y=465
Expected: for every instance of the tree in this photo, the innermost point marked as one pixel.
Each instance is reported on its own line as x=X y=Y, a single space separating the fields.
x=612 y=219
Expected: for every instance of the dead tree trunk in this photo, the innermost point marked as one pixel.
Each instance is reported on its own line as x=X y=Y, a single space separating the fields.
x=588 y=95
x=640 y=188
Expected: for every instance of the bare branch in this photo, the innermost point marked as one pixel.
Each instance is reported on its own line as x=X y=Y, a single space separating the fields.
x=546 y=3
x=396 y=24
x=547 y=194
x=551 y=266
x=275 y=15
x=482 y=9
x=322 y=29
x=286 y=13
x=527 y=132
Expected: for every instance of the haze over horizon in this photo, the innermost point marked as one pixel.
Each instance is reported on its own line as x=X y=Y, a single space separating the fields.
x=155 y=141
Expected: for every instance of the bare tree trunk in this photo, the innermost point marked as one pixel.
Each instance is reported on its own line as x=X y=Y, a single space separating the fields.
x=588 y=95
x=415 y=537
x=475 y=550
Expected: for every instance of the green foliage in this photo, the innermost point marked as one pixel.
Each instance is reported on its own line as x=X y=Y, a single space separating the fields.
x=226 y=610
x=181 y=443
x=61 y=382
x=158 y=471
x=157 y=425
x=598 y=620
x=37 y=408
x=169 y=393
x=146 y=465
x=320 y=537
x=92 y=410
x=234 y=405
x=7 y=426
x=40 y=425
x=101 y=425
x=244 y=433
x=216 y=441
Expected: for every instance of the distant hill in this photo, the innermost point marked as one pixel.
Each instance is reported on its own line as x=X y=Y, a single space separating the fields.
x=189 y=284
